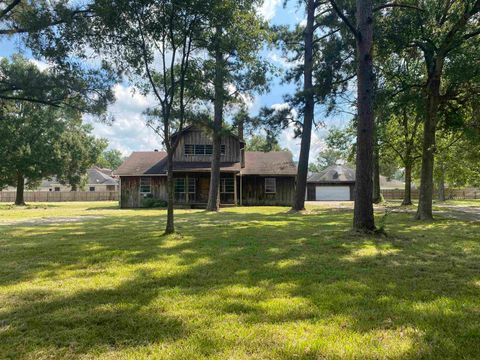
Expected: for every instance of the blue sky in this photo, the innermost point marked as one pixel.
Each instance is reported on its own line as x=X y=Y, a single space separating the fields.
x=129 y=132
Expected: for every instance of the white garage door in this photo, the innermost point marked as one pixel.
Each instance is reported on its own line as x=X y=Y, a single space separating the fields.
x=332 y=193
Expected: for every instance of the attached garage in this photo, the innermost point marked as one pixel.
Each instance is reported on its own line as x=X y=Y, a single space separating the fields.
x=335 y=183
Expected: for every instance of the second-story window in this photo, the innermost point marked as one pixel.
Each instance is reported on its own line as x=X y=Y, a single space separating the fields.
x=189 y=149
x=201 y=149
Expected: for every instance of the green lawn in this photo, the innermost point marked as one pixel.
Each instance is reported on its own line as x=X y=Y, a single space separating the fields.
x=246 y=283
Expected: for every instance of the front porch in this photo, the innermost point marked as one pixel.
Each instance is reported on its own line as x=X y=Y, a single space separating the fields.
x=191 y=189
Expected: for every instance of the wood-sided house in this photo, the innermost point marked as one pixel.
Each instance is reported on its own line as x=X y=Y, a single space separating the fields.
x=247 y=178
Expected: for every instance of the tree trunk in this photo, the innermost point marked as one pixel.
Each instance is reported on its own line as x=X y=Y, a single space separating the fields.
x=170 y=228
x=213 y=194
x=363 y=219
x=424 y=211
x=19 y=198
x=302 y=170
x=377 y=195
x=407 y=195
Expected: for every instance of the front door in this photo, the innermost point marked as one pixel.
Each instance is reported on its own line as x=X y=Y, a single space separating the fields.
x=203 y=186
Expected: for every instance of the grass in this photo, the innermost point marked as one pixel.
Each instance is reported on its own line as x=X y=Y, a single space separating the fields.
x=246 y=283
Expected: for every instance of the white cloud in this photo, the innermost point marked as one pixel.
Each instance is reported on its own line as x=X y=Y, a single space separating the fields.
x=269 y=9
x=128 y=132
x=287 y=138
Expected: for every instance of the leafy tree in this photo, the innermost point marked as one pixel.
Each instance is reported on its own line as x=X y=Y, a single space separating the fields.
x=262 y=143
x=446 y=36
x=88 y=91
x=325 y=158
x=233 y=37
x=153 y=41
x=39 y=141
x=110 y=159
x=320 y=61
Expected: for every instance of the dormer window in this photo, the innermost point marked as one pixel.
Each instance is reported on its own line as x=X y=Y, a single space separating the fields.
x=201 y=149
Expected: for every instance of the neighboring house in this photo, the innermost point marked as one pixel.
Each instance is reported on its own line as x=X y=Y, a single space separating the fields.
x=246 y=178
x=337 y=182
x=97 y=181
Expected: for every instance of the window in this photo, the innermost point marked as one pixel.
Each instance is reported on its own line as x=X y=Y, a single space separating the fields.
x=270 y=185
x=180 y=185
x=92 y=188
x=57 y=188
x=145 y=185
x=189 y=149
x=201 y=149
x=227 y=186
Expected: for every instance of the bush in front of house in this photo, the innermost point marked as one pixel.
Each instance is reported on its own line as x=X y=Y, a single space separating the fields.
x=153 y=203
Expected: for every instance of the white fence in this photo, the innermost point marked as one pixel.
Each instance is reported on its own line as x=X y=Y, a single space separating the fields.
x=53 y=196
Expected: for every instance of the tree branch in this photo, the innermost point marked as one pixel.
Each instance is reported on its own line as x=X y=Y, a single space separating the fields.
x=345 y=20
x=392 y=5
x=9 y=8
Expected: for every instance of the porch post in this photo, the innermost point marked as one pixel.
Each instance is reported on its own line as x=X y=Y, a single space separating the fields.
x=186 y=189
x=235 y=189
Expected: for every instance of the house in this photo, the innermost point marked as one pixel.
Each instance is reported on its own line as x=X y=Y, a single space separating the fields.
x=337 y=183
x=97 y=181
x=246 y=178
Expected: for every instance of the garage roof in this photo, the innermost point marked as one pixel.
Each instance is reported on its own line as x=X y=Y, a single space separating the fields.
x=333 y=174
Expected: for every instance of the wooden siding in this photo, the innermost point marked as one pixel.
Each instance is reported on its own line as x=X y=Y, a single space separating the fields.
x=196 y=136
x=253 y=190
x=130 y=196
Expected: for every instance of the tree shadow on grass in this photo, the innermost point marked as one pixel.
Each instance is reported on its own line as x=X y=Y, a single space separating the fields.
x=88 y=319
x=262 y=269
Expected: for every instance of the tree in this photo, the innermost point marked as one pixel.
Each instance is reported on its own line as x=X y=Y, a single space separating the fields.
x=110 y=159
x=321 y=60
x=88 y=91
x=53 y=31
x=325 y=158
x=446 y=36
x=262 y=143
x=153 y=41
x=38 y=141
x=234 y=37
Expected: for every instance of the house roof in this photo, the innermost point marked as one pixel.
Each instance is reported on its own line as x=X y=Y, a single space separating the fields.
x=269 y=163
x=345 y=174
x=333 y=174
x=95 y=177
x=256 y=163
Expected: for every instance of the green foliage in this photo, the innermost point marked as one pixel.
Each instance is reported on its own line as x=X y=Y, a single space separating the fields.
x=38 y=141
x=262 y=143
x=324 y=159
x=149 y=202
x=110 y=159
x=84 y=90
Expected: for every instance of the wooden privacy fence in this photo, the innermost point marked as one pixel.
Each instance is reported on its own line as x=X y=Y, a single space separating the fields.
x=52 y=196
x=450 y=194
